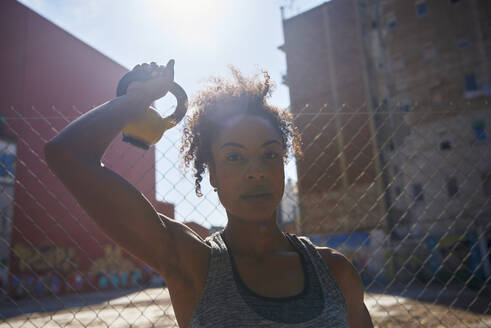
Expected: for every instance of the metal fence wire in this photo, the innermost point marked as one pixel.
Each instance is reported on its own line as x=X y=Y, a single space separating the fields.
x=405 y=195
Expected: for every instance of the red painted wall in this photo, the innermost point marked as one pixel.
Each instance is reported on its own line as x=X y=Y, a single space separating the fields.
x=53 y=240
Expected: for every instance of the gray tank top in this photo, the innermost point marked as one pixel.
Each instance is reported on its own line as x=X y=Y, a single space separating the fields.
x=227 y=302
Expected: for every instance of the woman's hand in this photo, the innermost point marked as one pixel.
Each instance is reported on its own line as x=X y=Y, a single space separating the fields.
x=157 y=86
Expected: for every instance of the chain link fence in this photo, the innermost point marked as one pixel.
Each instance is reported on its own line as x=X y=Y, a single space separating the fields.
x=404 y=195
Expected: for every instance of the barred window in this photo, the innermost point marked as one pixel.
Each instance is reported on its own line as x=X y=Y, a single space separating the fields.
x=445 y=145
x=480 y=134
x=470 y=82
x=421 y=8
x=391 y=20
x=417 y=192
x=452 y=187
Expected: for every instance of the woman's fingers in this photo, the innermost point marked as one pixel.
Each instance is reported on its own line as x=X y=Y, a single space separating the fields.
x=146 y=67
x=169 y=68
x=161 y=78
x=171 y=63
x=154 y=69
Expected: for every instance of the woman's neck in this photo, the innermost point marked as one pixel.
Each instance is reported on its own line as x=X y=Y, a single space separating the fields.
x=256 y=239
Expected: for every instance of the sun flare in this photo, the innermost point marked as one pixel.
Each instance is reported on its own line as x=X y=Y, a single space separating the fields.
x=193 y=21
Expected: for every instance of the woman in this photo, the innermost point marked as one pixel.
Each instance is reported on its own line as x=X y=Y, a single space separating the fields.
x=248 y=275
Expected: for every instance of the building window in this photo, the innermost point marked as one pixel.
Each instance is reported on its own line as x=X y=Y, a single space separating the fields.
x=486 y=183
x=462 y=42
x=417 y=192
x=471 y=86
x=445 y=145
x=480 y=134
x=429 y=52
x=421 y=8
x=452 y=187
x=470 y=83
x=391 y=20
x=391 y=145
x=405 y=106
x=454 y=1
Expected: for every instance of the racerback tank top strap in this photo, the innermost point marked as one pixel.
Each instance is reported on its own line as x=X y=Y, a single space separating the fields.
x=328 y=281
x=222 y=304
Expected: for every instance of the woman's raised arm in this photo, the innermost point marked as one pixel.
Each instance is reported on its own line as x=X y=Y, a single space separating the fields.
x=119 y=209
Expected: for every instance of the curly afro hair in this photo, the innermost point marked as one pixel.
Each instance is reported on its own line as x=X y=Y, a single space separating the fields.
x=223 y=99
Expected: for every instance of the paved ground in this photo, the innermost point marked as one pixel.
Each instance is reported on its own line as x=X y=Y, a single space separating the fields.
x=151 y=308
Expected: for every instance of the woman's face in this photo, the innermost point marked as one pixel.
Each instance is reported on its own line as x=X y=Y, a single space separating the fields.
x=248 y=167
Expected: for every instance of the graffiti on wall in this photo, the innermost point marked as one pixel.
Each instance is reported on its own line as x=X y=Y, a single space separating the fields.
x=454 y=258
x=7 y=161
x=54 y=270
x=44 y=259
x=115 y=270
x=448 y=258
x=36 y=285
x=42 y=270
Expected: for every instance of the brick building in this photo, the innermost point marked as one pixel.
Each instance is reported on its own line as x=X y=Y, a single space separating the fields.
x=47 y=242
x=339 y=179
x=420 y=71
x=432 y=73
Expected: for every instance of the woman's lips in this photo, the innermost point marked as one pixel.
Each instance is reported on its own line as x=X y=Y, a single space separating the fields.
x=256 y=196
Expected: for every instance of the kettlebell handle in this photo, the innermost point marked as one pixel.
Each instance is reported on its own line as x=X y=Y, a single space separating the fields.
x=175 y=89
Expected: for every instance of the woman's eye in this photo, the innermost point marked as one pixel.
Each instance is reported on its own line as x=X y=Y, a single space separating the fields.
x=233 y=157
x=272 y=155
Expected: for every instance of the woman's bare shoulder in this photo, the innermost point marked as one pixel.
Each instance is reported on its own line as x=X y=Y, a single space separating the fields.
x=192 y=250
x=344 y=271
x=338 y=263
x=332 y=256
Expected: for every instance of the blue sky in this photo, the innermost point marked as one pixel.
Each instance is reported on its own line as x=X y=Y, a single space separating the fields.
x=204 y=37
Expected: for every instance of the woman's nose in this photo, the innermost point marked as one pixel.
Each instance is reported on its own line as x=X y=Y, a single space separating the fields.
x=256 y=170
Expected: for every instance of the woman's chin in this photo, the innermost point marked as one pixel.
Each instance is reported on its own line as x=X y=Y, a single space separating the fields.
x=255 y=215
